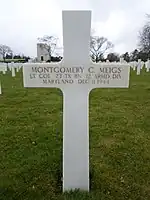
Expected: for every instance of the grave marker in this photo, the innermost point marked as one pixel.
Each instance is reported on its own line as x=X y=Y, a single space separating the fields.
x=134 y=65
x=3 y=67
x=12 y=67
x=76 y=76
x=147 y=65
x=142 y=65
x=17 y=69
x=139 y=64
x=13 y=72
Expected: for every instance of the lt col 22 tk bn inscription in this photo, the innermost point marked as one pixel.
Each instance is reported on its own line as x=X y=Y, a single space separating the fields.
x=103 y=75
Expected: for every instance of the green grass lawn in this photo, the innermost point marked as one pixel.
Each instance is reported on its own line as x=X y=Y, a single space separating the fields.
x=31 y=142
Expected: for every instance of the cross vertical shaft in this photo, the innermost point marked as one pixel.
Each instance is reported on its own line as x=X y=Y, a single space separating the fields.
x=76 y=40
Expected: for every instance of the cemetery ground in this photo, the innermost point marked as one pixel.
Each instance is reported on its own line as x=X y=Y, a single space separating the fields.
x=31 y=142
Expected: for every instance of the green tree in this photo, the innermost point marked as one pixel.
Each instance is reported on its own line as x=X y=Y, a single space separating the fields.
x=112 y=57
x=98 y=47
x=144 y=38
x=134 y=56
x=126 y=57
x=4 y=50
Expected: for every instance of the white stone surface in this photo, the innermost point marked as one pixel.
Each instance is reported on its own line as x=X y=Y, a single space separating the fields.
x=13 y=72
x=10 y=65
x=147 y=65
x=17 y=69
x=142 y=64
x=139 y=67
x=3 y=67
x=134 y=65
x=101 y=75
x=121 y=60
x=14 y=65
x=76 y=76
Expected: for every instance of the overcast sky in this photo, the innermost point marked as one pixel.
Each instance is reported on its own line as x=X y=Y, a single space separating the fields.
x=23 y=21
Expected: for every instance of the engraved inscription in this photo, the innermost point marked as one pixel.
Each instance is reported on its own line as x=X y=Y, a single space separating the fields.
x=78 y=75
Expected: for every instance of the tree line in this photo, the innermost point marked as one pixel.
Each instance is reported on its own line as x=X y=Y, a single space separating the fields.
x=7 y=55
x=99 y=48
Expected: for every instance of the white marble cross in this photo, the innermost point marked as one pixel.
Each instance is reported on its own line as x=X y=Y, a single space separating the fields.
x=76 y=76
x=134 y=65
x=18 y=66
x=147 y=65
x=12 y=68
x=3 y=67
x=122 y=60
x=13 y=72
x=139 y=64
x=142 y=64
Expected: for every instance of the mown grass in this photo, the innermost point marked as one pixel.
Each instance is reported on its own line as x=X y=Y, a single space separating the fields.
x=31 y=142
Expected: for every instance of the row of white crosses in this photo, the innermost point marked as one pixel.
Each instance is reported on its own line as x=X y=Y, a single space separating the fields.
x=147 y=65
x=139 y=66
x=12 y=67
x=136 y=65
x=3 y=69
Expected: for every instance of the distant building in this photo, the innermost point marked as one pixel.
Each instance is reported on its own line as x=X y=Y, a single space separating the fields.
x=42 y=54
